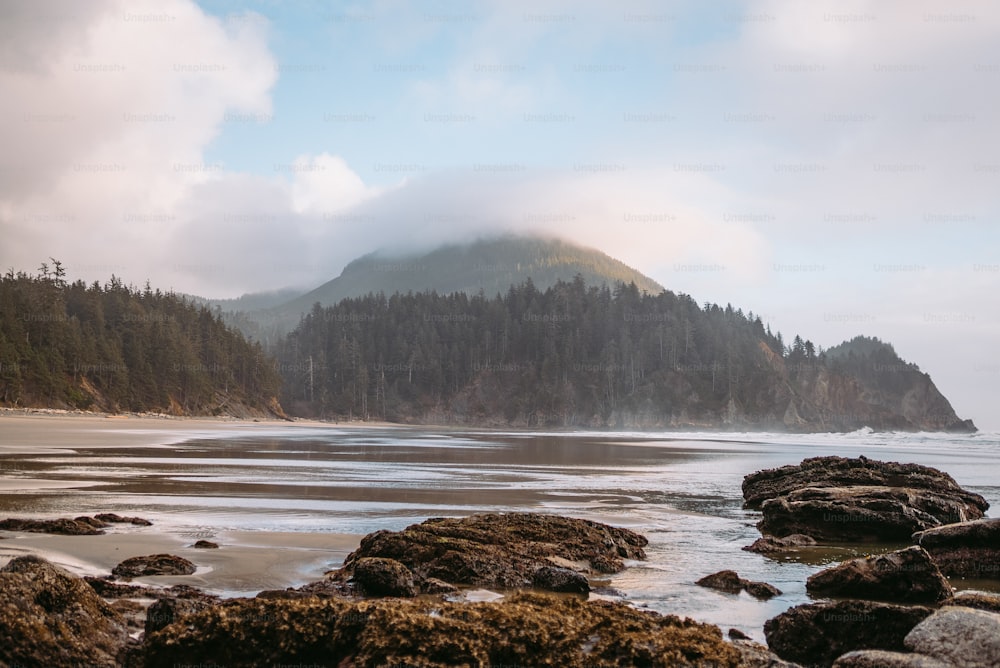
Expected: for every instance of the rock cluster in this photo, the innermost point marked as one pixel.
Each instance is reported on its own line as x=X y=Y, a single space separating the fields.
x=524 y=629
x=154 y=564
x=904 y=576
x=79 y=526
x=861 y=499
x=966 y=550
x=731 y=583
x=49 y=617
x=493 y=550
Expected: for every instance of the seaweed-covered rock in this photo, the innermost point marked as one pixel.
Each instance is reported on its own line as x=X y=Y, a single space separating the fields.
x=965 y=550
x=167 y=610
x=112 y=518
x=499 y=550
x=524 y=629
x=855 y=472
x=903 y=576
x=775 y=545
x=840 y=499
x=816 y=634
x=977 y=599
x=564 y=580
x=376 y=576
x=731 y=583
x=206 y=545
x=63 y=526
x=878 y=658
x=154 y=564
x=857 y=514
x=49 y=617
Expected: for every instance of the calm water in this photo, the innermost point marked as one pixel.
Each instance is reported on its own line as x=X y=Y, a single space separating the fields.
x=680 y=490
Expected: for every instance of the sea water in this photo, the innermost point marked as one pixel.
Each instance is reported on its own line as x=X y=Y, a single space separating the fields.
x=681 y=490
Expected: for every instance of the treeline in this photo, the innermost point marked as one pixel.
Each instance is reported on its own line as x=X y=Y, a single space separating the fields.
x=118 y=348
x=571 y=354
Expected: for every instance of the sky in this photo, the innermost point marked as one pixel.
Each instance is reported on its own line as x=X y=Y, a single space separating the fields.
x=831 y=166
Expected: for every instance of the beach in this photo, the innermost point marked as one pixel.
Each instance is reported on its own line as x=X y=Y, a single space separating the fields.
x=287 y=501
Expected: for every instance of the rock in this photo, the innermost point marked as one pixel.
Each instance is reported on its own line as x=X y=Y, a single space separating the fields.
x=771 y=544
x=62 y=526
x=904 y=576
x=377 y=576
x=962 y=637
x=206 y=545
x=858 y=514
x=816 y=634
x=736 y=634
x=166 y=611
x=761 y=590
x=154 y=564
x=731 y=583
x=560 y=580
x=498 y=550
x=437 y=587
x=520 y=630
x=48 y=617
x=112 y=518
x=877 y=658
x=965 y=550
x=978 y=600
x=755 y=655
x=844 y=472
x=841 y=499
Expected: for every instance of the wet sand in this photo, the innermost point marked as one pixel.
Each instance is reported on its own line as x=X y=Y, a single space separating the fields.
x=35 y=432
x=245 y=563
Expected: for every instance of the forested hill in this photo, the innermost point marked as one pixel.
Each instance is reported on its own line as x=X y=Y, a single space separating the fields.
x=489 y=266
x=579 y=356
x=116 y=348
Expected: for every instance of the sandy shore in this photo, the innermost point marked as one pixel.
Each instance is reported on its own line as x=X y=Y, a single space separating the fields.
x=37 y=432
x=245 y=563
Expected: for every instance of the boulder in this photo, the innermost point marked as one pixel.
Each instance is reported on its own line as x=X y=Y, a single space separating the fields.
x=62 y=526
x=904 y=576
x=563 y=580
x=206 y=545
x=877 y=658
x=816 y=634
x=847 y=472
x=858 y=514
x=978 y=600
x=112 y=518
x=842 y=499
x=774 y=545
x=961 y=637
x=966 y=549
x=377 y=576
x=498 y=550
x=49 y=617
x=731 y=583
x=154 y=564
x=523 y=629
x=755 y=655
x=165 y=611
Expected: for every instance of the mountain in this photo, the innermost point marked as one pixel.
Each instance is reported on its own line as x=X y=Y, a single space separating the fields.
x=574 y=355
x=116 y=348
x=490 y=266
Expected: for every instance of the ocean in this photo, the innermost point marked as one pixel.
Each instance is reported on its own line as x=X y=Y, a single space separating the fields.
x=681 y=490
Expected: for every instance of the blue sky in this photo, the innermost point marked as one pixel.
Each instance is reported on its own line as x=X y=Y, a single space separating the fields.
x=831 y=165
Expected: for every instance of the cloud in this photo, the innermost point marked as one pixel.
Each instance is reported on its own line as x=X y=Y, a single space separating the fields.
x=104 y=128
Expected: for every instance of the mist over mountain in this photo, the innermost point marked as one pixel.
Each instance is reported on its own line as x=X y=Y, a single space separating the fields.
x=490 y=266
